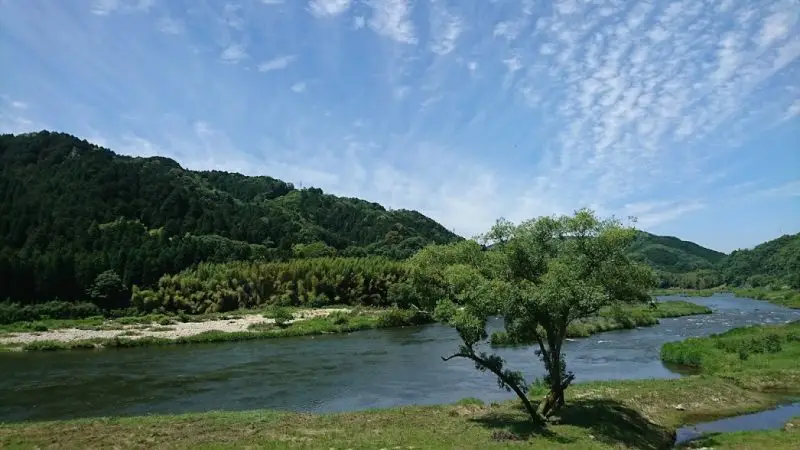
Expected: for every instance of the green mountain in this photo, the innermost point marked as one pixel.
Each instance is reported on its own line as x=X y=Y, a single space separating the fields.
x=71 y=210
x=673 y=255
x=775 y=262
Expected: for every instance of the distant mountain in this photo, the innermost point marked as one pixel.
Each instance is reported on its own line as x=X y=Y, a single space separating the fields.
x=775 y=262
x=70 y=210
x=673 y=255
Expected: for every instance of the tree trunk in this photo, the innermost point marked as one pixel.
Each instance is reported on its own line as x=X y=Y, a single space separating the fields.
x=535 y=417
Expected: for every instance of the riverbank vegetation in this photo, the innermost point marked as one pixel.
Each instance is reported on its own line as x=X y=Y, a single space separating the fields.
x=789 y=298
x=601 y=415
x=618 y=317
x=761 y=357
x=273 y=323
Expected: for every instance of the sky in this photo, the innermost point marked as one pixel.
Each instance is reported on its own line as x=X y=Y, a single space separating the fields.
x=685 y=114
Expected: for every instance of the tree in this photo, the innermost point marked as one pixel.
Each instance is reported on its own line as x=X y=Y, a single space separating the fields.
x=541 y=276
x=108 y=292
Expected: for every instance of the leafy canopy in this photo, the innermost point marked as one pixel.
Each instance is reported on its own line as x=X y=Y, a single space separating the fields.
x=540 y=275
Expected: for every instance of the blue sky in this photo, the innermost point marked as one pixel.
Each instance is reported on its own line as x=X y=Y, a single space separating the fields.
x=683 y=113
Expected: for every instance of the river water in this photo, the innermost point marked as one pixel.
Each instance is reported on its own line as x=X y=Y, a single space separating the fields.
x=367 y=369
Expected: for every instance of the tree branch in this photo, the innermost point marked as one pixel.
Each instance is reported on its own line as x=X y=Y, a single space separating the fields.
x=508 y=382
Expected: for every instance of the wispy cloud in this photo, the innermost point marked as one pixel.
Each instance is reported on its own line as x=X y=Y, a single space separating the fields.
x=277 y=63
x=106 y=7
x=233 y=54
x=170 y=26
x=392 y=19
x=445 y=30
x=463 y=110
x=328 y=8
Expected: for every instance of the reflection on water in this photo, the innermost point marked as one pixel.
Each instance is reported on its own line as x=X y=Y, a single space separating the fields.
x=368 y=369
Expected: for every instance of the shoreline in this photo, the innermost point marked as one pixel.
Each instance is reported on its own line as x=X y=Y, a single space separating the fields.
x=304 y=322
x=233 y=327
x=789 y=298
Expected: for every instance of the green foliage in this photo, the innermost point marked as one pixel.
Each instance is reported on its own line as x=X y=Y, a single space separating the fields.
x=784 y=297
x=108 y=292
x=313 y=250
x=740 y=349
x=14 y=312
x=315 y=282
x=541 y=276
x=775 y=263
x=396 y=317
x=72 y=210
x=672 y=255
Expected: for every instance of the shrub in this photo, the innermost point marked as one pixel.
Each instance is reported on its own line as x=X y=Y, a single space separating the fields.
x=14 y=312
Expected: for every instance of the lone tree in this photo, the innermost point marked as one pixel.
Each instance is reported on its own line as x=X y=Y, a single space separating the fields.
x=541 y=276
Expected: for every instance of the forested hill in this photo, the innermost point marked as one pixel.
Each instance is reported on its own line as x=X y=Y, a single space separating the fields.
x=71 y=210
x=775 y=262
x=673 y=255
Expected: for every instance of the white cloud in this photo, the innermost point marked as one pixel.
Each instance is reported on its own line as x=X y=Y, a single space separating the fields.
x=106 y=7
x=794 y=110
x=651 y=214
x=536 y=108
x=233 y=53
x=277 y=63
x=170 y=26
x=788 y=189
x=445 y=30
x=19 y=105
x=328 y=8
x=392 y=19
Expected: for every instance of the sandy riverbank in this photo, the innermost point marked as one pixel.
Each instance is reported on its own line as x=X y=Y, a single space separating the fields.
x=174 y=330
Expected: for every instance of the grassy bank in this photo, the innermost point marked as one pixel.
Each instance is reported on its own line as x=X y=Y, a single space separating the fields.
x=634 y=414
x=789 y=298
x=760 y=357
x=786 y=438
x=627 y=317
x=336 y=322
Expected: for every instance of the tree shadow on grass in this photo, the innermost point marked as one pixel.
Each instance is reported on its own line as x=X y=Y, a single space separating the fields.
x=615 y=423
x=708 y=440
x=508 y=425
x=605 y=420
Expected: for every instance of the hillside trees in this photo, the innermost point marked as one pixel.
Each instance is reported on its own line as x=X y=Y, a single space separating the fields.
x=541 y=275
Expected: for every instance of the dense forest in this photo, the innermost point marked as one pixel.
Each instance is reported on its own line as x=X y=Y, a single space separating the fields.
x=71 y=211
x=78 y=222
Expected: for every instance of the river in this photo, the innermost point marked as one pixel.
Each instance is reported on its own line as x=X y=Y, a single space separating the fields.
x=362 y=370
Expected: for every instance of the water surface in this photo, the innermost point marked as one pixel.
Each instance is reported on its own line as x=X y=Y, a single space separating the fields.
x=772 y=419
x=367 y=369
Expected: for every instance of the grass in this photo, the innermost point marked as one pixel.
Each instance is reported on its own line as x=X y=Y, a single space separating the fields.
x=783 y=439
x=337 y=322
x=763 y=357
x=629 y=414
x=789 y=298
x=626 y=317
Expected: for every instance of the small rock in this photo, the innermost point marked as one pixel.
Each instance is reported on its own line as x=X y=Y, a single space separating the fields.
x=591 y=436
x=680 y=408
